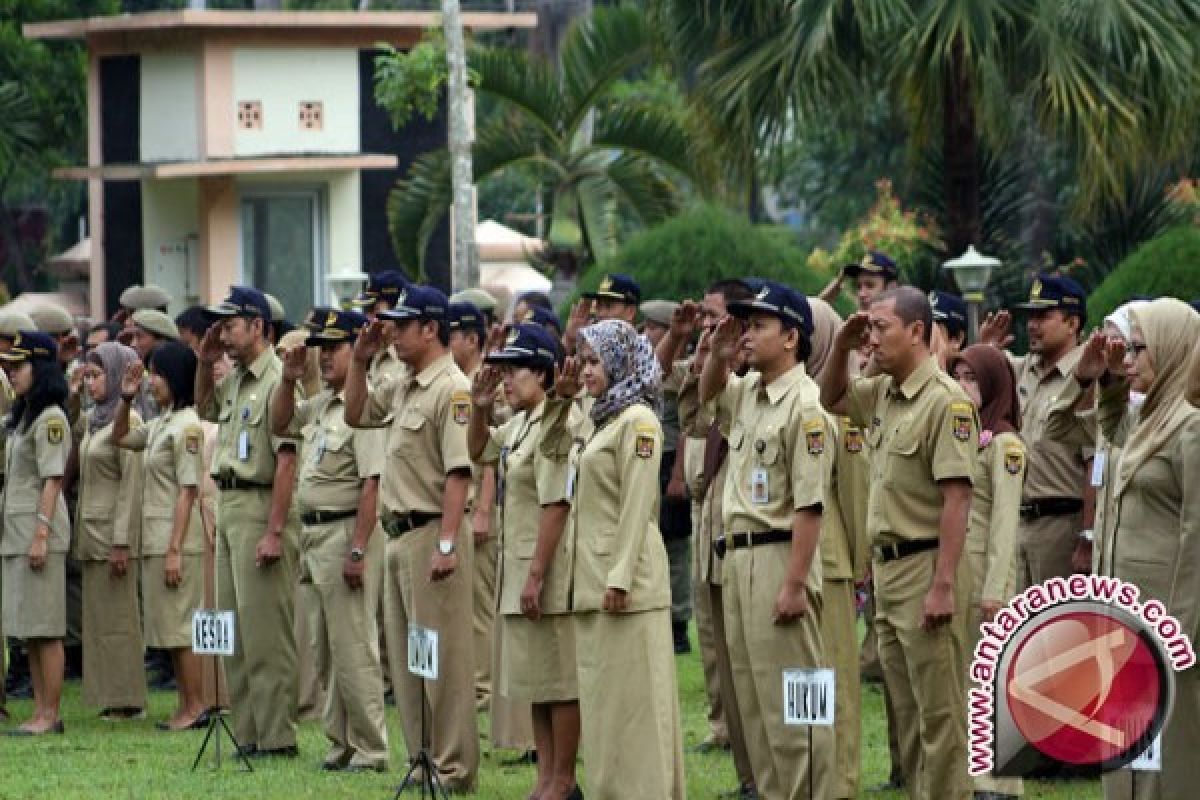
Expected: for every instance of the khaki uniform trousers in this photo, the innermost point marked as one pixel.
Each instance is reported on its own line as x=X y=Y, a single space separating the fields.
x=484 y=607
x=310 y=681
x=113 y=673
x=216 y=684
x=631 y=734
x=1044 y=548
x=718 y=730
x=1180 y=740
x=839 y=634
x=346 y=652
x=787 y=760
x=868 y=664
x=924 y=673
x=262 y=670
x=410 y=597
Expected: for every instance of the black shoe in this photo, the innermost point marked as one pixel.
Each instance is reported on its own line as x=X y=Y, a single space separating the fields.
x=288 y=751
x=710 y=746
x=576 y=793
x=893 y=784
x=525 y=759
x=198 y=724
x=247 y=750
x=680 y=637
x=20 y=690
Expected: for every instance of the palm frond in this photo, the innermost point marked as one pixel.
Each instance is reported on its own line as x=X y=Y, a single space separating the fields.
x=597 y=51
x=526 y=84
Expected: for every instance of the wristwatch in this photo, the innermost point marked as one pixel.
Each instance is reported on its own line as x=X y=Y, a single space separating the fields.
x=356 y=554
x=1087 y=535
x=446 y=547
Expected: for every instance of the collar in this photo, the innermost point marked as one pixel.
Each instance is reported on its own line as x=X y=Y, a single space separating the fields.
x=439 y=365
x=779 y=388
x=1064 y=366
x=259 y=365
x=920 y=376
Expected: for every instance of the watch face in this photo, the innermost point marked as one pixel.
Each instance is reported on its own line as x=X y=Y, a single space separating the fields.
x=356 y=555
x=445 y=548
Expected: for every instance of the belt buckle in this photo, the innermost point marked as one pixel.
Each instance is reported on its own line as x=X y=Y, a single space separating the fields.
x=720 y=546
x=889 y=552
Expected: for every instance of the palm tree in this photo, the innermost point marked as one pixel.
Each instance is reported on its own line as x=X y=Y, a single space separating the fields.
x=602 y=159
x=1114 y=80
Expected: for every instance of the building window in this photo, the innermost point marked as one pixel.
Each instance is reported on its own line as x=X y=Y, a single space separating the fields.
x=283 y=245
x=250 y=115
x=312 y=116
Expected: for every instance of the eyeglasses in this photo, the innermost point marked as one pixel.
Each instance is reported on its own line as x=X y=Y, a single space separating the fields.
x=1137 y=348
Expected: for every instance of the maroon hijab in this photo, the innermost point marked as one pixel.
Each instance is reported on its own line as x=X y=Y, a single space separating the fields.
x=997 y=387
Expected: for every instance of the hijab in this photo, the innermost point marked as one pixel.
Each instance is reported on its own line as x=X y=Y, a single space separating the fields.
x=630 y=366
x=1171 y=329
x=1000 y=412
x=825 y=327
x=113 y=358
x=1120 y=317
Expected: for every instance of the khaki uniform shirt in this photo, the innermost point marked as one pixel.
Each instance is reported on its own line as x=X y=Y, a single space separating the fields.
x=613 y=483
x=31 y=456
x=995 y=514
x=849 y=558
x=921 y=432
x=1056 y=467
x=336 y=458
x=427 y=437
x=530 y=452
x=245 y=447
x=780 y=454
x=110 y=495
x=172 y=447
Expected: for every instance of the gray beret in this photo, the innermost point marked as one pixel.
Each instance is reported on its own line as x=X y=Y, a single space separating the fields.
x=52 y=319
x=12 y=322
x=156 y=322
x=481 y=299
x=658 y=311
x=148 y=296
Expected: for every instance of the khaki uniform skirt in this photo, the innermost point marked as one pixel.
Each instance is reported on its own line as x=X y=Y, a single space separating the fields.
x=35 y=603
x=113 y=675
x=537 y=660
x=168 y=615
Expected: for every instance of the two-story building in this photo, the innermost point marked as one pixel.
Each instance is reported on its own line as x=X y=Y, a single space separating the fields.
x=237 y=146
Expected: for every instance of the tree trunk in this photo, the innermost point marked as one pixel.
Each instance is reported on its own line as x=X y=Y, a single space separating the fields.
x=465 y=270
x=960 y=157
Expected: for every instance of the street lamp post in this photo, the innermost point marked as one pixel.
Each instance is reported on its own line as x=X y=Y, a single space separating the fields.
x=971 y=272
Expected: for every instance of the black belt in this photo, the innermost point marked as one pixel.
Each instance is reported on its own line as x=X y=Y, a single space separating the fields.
x=321 y=517
x=891 y=552
x=1050 y=507
x=399 y=524
x=226 y=483
x=735 y=541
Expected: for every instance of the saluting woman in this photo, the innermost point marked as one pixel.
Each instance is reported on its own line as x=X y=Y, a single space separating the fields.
x=107 y=524
x=621 y=596
x=172 y=550
x=538 y=641
x=36 y=531
x=991 y=547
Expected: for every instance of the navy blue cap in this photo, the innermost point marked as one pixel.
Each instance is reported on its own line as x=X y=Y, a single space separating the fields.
x=873 y=263
x=1195 y=304
x=463 y=316
x=542 y=316
x=31 y=346
x=333 y=326
x=385 y=285
x=418 y=302
x=1056 y=291
x=243 y=301
x=950 y=310
x=528 y=344
x=617 y=286
x=775 y=298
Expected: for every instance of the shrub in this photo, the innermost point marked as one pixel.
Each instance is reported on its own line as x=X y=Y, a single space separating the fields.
x=1168 y=265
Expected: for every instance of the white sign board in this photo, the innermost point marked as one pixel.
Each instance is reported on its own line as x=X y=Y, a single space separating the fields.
x=1151 y=759
x=212 y=633
x=423 y=652
x=808 y=696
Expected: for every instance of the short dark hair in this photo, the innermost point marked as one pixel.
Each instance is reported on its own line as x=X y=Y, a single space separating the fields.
x=112 y=329
x=176 y=364
x=731 y=289
x=49 y=388
x=912 y=305
x=538 y=299
x=443 y=329
x=194 y=319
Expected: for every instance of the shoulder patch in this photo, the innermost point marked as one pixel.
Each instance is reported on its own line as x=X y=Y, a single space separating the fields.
x=961 y=408
x=814 y=439
x=854 y=439
x=1014 y=460
x=460 y=406
x=645 y=427
x=56 y=430
x=962 y=416
x=645 y=443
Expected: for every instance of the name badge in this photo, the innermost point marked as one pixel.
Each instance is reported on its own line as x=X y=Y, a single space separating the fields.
x=760 y=493
x=571 y=482
x=1098 y=462
x=319 y=450
x=243 y=446
x=808 y=696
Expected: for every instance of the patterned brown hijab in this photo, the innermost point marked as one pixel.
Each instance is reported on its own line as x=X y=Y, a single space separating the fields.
x=997 y=387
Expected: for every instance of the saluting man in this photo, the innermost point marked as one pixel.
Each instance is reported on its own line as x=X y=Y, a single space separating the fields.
x=923 y=433
x=256 y=548
x=780 y=468
x=423 y=495
x=338 y=489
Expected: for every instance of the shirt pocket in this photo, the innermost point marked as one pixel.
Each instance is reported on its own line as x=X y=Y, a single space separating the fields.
x=603 y=541
x=408 y=439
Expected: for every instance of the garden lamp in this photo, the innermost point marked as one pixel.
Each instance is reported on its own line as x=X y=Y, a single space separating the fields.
x=971 y=272
x=345 y=285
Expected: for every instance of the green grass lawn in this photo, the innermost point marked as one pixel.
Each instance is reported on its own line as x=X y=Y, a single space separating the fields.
x=98 y=759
